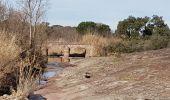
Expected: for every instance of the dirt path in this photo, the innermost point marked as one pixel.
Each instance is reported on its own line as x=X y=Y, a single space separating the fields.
x=136 y=76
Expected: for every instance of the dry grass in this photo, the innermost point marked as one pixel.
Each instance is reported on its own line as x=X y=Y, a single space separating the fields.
x=8 y=49
x=8 y=52
x=99 y=42
x=16 y=76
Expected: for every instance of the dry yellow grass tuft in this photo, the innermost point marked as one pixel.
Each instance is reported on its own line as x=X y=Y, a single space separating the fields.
x=8 y=52
x=8 y=49
x=99 y=42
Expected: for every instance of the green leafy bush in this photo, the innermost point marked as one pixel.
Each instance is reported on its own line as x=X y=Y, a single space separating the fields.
x=136 y=45
x=120 y=48
x=155 y=42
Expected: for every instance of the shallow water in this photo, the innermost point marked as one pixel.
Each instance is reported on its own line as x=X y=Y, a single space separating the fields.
x=53 y=69
x=49 y=74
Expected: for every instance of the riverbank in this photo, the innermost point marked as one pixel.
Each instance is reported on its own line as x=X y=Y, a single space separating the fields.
x=143 y=75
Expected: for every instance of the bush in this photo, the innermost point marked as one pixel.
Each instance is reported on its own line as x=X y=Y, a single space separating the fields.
x=8 y=52
x=127 y=46
x=8 y=49
x=18 y=71
x=136 y=45
x=156 y=42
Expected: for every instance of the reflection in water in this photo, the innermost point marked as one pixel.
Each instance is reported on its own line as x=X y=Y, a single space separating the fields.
x=58 y=59
x=52 y=59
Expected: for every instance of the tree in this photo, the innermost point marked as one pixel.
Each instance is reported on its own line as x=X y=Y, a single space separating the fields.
x=2 y=11
x=131 y=26
x=134 y=27
x=158 y=26
x=33 y=13
x=85 y=27
x=93 y=28
x=103 y=30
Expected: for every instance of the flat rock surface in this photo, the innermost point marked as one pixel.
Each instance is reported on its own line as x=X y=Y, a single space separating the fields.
x=136 y=76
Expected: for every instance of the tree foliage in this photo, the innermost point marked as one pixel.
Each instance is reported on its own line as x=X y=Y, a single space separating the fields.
x=85 y=27
x=92 y=27
x=103 y=29
x=135 y=27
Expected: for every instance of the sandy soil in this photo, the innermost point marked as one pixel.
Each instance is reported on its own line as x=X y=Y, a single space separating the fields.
x=136 y=76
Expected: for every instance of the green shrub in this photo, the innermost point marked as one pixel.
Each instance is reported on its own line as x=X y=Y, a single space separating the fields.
x=154 y=42
x=120 y=48
x=126 y=46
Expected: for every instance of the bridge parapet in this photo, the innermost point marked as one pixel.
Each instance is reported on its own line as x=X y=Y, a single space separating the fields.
x=59 y=49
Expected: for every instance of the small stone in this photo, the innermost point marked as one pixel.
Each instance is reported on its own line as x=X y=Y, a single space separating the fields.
x=87 y=75
x=5 y=95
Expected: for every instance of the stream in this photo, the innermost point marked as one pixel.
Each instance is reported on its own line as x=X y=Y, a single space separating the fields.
x=52 y=70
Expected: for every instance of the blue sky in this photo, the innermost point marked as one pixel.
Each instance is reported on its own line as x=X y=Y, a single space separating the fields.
x=72 y=12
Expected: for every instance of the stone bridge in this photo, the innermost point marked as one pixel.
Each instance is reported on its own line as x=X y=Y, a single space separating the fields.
x=67 y=50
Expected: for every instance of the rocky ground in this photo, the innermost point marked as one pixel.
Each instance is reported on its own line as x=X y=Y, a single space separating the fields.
x=136 y=76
